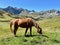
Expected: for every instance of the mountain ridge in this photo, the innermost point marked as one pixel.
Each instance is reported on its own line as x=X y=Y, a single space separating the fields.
x=15 y=10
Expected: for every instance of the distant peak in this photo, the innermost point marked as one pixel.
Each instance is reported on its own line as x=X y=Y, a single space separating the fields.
x=9 y=7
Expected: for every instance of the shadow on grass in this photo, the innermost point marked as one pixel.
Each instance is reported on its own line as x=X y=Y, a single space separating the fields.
x=28 y=36
x=56 y=41
x=45 y=36
x=33 y=36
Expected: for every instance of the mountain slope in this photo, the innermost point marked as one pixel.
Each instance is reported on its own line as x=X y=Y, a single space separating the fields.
x=5 y=15
x=20 y=12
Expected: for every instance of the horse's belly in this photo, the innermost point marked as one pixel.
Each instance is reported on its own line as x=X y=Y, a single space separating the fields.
x=25 y=25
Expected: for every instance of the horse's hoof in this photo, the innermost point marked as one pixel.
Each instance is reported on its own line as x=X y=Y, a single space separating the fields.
x=30 y=35
x=41 y=33
x=15 y=36
x=25 y=35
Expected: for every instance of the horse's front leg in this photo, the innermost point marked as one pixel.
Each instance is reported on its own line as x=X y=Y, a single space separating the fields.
x=15 y=30
x=30 y=31
x=26 y=31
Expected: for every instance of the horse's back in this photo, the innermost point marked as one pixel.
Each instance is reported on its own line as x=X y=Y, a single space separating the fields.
x=24 y=22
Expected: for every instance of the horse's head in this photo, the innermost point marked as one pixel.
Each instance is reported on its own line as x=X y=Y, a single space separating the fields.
x=39 y=30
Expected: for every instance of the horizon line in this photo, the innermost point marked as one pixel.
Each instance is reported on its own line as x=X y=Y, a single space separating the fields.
x=31 y=9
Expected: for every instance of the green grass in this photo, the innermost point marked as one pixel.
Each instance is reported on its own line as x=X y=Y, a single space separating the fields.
x=50 y=36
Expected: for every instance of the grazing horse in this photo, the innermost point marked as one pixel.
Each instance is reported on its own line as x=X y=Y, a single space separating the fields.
x=24 y=23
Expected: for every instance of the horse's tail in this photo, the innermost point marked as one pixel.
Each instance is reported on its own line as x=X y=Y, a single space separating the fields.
x=11 y=26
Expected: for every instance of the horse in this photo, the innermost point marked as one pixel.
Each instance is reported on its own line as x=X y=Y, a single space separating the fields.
x=25 y=23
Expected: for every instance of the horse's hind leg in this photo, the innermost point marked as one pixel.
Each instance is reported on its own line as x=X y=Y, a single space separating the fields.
x=15 y=30
x=26 y=31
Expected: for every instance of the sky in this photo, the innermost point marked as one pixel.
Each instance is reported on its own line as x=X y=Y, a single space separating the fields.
x=36 y=5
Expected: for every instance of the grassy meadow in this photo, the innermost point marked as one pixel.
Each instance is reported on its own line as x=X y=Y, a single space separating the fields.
x=50 y=36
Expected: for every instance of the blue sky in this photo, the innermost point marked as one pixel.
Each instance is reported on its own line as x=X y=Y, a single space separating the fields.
x=36 y=5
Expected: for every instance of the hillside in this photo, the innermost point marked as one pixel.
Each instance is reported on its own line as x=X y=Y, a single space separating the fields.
x=14 y=12
x=4 y=16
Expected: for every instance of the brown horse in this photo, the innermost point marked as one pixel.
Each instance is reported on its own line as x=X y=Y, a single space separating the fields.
x=24 y=23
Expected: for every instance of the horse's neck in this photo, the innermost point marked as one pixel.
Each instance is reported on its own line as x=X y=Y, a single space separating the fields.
x=36 y=25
